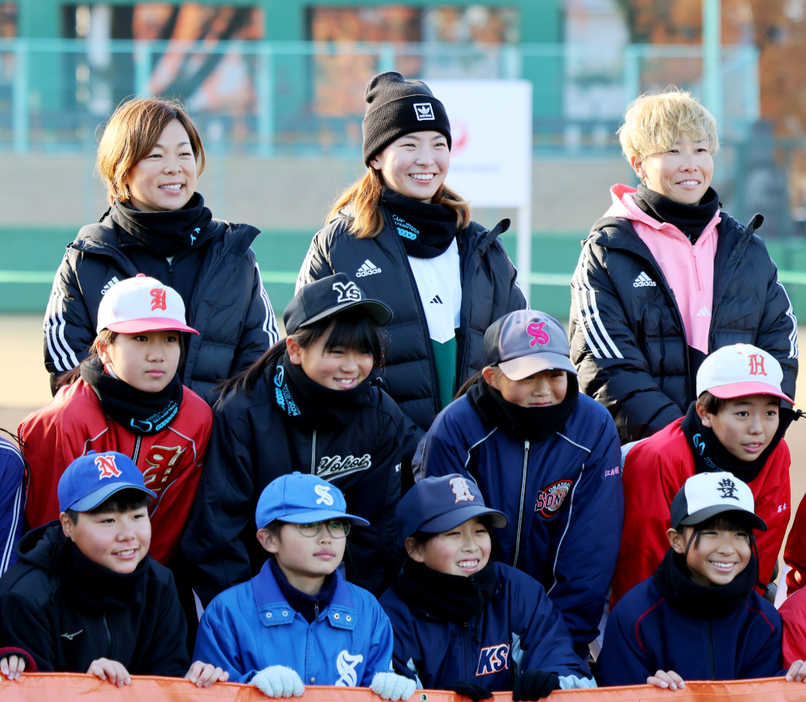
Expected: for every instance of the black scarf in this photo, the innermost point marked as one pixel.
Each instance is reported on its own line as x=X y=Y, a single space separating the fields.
x=143 y=413
x=166 y=233
x=97 y=588
x=710 y=455
x=426 y=230
x=454 y=598
x=673 y=580
x=312 y=405
x=689 y=219
x=525 y=423
x=302 y=602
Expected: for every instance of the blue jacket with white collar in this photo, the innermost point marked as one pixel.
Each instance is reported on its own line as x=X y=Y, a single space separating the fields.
x=251 y=626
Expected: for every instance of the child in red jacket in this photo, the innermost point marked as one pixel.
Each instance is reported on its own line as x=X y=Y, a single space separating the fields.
x=126 y=397
x=736 y=425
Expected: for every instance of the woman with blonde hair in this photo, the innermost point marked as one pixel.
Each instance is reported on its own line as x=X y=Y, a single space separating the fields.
x=149 y=157
x=408 y=240
x=666 y=277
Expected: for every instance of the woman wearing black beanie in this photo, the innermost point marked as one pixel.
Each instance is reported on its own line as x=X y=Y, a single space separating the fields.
x=408 y=240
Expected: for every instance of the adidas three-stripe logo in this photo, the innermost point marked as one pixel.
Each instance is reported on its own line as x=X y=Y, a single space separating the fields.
x=644 y=281
x=367 y=268
x=437 y=300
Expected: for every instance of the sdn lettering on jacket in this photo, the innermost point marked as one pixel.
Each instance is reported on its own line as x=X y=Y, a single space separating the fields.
x=493 y=659
x=336 y=466
x=550 y=499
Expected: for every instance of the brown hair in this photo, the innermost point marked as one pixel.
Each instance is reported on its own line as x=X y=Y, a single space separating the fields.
x=132 y=131
x=365 y=196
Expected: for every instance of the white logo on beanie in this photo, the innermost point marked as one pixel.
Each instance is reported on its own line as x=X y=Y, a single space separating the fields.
x=424 y=111
x=324 y=494
x=347 y=292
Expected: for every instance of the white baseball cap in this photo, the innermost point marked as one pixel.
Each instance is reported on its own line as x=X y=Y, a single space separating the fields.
x=707 y=494
x=142 y=304
x=738 y=370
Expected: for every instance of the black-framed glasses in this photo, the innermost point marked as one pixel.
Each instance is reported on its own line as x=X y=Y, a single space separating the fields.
x=337 y=528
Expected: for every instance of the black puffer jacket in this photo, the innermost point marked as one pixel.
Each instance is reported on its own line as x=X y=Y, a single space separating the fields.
x=64 y=618
x=628 y=342
x=228 y=305
x=254 y=441
x=489 y=291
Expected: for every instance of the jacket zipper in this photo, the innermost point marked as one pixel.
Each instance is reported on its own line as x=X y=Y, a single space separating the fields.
x=313 y=453
x=709 y=630
x=526 y=445
x=108 y=636
x=136 y=451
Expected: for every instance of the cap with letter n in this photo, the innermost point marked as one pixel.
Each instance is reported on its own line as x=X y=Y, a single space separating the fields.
x=95 y=477
x=142 y=304
x=739 y=370
x=707 y=494
x=300 y=498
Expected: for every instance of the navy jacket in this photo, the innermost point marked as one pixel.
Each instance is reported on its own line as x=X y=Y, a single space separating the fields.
x=12 y=502
x=519 y=630
x=563 y=497
x=629 y=343
x=489 y=291
x=645 y=633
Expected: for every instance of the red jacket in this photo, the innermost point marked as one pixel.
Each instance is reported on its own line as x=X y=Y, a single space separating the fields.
x=795 y=551
x=73 y=423
x=654 y=470
x=793 y=614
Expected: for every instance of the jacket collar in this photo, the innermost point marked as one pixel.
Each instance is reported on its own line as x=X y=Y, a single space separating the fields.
x=273 y=608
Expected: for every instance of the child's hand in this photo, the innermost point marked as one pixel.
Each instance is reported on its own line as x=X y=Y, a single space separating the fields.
x=666 y=679
x=279 y=681
x=796 y=673
x=110 y=670
x=205 y=674
x=12 y=666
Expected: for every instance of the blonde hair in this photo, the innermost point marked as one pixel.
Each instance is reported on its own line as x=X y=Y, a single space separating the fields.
x=655 y=121
x=132 y=131
x=365 y=195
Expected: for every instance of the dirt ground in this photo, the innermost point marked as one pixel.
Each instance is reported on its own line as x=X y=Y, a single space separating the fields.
x=26 y=388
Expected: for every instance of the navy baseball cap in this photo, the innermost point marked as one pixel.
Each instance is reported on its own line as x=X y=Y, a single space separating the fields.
x=91 y=479
x=707 y=494
x=439 y=503
x=299 y=499
x=526 y=342
x=329 y=296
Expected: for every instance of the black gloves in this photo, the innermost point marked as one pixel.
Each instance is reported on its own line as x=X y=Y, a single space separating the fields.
x=470 y=689
x=534 y=684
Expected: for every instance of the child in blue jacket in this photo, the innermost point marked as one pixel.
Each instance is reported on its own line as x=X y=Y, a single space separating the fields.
x=540 y=452
x=698 y=617
x=461 y=622
x=297 y=619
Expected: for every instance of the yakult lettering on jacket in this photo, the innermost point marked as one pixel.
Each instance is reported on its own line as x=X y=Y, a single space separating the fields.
x=330 y=467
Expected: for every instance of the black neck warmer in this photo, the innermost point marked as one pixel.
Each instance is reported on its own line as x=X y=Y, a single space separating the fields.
x=426 y=230
x=673 y=580
x=166 y=233
x=525 y=423
x=302 y=602
x=312 y=405
x=710 y=455
x=453 y=598
x=97 y=588
x=143 y=413
x=689 y=219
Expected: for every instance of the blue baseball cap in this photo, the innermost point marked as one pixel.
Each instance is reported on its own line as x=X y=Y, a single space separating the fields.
x=437 y=504
x=91 y=479
x=299 y=499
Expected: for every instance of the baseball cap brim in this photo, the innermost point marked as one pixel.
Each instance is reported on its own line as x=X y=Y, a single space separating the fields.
x=734 y=390
x=455 y=517
x=523 y=367
x=380 y=313
x=319 y=516
x=706 y=513
x=95 y=498
x=136 y=326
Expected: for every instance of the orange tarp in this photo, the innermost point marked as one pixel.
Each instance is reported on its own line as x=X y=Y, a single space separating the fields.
x=69 y=687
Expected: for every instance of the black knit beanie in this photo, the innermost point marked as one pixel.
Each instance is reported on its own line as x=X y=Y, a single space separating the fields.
x=396 y=107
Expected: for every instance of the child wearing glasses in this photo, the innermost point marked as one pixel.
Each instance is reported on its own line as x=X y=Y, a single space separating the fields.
x=298 y=622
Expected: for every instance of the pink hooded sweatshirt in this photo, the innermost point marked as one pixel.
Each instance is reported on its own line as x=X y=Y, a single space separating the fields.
x=689 y=270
